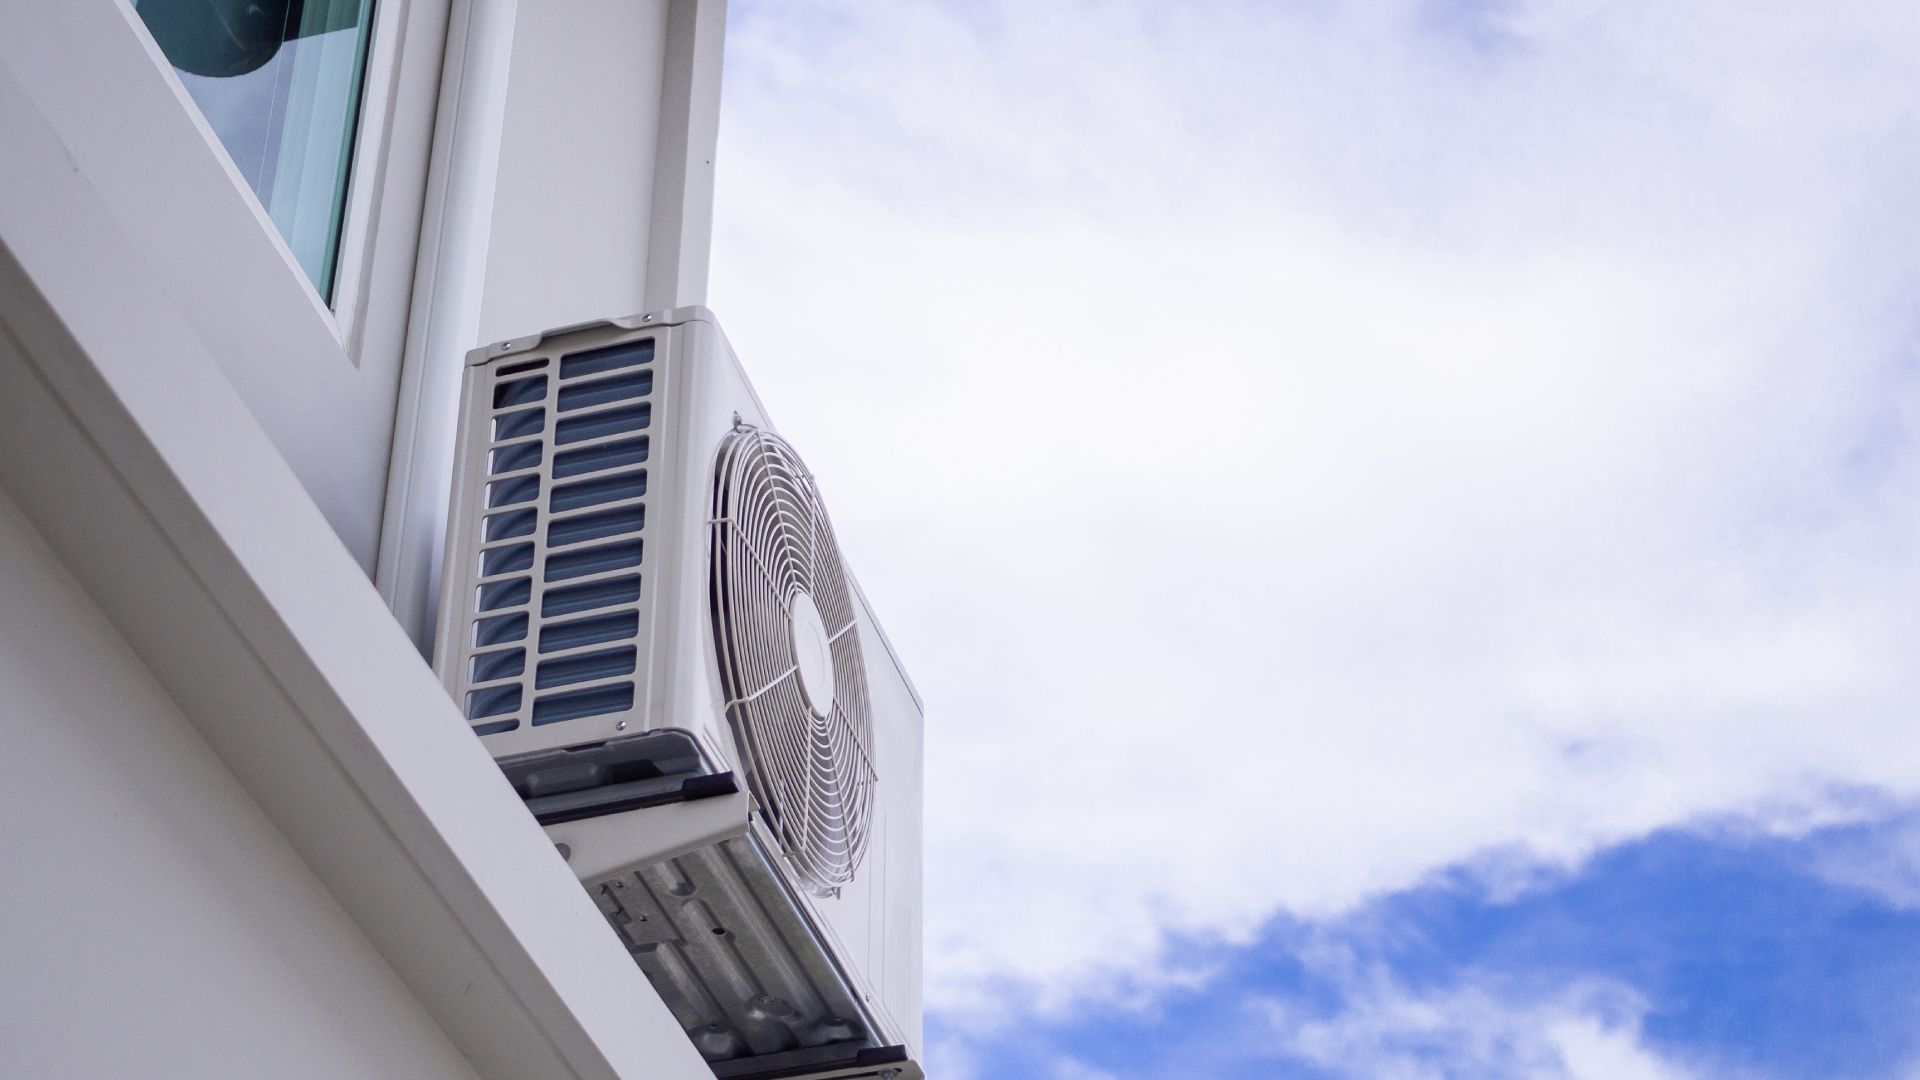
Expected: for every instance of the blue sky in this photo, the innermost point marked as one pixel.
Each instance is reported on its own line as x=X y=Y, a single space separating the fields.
x=1712 y=951
x=1404 y=514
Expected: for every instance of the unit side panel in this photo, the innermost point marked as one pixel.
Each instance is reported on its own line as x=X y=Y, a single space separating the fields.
x=678 y=553
x=899 y=735
x=453 y=637
x=709 y=392
x=875 y=920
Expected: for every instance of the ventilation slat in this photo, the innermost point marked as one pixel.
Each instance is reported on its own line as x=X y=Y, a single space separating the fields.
x=585 y=667
x=590 y=595
x=617 y=626
x=595 y=525
x=574 y=704
x=493 y=701
x=500 y=629
x=505 y=594
x=510 y=524
x=605 y=422
x=600 y=489
x=607 y=455
x=593 y=560
x=516 y=425
x=504 y=664
x=519 y=391
x=522 y=366
x=610 y=358
x=517 y=490
x=514 y=457
x=584 y=395
x=506 y=560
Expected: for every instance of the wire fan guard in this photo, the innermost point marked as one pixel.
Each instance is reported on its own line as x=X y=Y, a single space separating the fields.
x=783 y=622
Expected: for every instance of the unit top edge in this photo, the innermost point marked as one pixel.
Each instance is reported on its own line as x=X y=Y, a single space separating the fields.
x=514 y=346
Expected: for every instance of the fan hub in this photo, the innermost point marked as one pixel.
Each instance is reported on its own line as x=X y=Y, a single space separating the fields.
x=812 y=653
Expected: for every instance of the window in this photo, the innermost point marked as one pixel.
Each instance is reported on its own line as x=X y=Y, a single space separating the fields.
x=280 y=83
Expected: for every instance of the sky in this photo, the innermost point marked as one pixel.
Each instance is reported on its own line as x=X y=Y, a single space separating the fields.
x=1405 y=515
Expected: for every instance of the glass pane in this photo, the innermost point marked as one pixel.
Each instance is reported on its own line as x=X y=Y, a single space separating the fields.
x=279 y=81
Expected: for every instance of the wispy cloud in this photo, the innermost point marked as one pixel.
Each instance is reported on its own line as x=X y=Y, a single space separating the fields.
x=1302 y=447
x=1589 y=1032
x=1882 y=859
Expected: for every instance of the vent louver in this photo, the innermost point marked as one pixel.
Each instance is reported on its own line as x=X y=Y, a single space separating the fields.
x=561 y=534
x=789 y=653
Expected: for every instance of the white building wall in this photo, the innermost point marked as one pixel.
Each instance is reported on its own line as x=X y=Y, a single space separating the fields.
x=574 y=194
x=178 y=410
x=156 y=924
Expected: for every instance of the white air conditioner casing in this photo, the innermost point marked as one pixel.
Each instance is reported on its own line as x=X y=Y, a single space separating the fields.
x=589 y=632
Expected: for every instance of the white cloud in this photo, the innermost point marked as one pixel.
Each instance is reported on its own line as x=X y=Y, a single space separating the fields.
x=1299 y=447
x=1071 y=1069
x=1884 y=862
x=955 y=1058
x=1589 y=1032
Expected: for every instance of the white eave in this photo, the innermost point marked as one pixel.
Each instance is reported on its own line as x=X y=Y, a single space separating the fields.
x=127 y=446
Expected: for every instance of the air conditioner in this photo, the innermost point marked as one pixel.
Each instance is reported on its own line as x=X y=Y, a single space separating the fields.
x=647 y=619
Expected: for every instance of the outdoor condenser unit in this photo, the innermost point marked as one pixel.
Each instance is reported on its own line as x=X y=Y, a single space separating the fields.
x=647 y=619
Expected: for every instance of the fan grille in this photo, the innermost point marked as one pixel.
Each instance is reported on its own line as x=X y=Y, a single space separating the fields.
x=775 y=564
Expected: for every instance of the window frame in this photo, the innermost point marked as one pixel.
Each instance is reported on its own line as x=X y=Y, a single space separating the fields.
x=322 y=382
x=358 y=267
x=357 y=264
